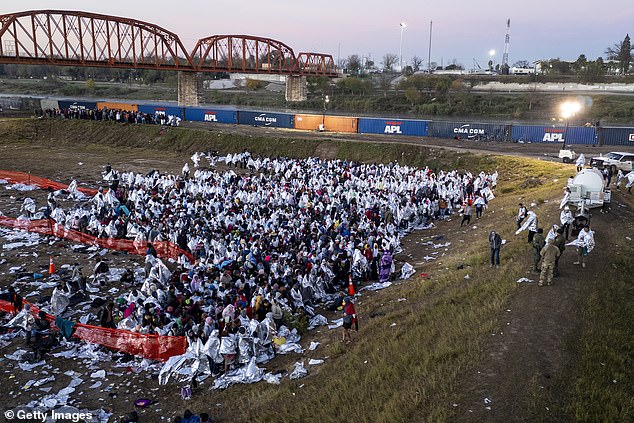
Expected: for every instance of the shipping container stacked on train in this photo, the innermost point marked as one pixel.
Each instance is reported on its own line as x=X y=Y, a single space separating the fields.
x=458 y=130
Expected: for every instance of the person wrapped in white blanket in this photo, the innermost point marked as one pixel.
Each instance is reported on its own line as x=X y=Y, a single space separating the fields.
x=584 y=244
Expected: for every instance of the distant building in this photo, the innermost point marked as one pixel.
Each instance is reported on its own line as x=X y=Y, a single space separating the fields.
x=522 y=71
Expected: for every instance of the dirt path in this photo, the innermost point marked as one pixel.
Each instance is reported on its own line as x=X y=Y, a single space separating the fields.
x=521 y=377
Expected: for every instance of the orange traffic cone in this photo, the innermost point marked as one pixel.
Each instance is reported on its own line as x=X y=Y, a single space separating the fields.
x=350 y=286
x=51 y=266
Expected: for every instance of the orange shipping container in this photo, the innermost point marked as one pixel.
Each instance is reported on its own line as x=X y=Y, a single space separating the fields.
x=126 y=107
x=331 y=123
x=308 y=122
x=341 y=124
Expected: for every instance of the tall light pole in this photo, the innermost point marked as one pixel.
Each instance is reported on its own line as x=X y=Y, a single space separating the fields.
x=567 y=110
x=429 y=51
x=403 y=25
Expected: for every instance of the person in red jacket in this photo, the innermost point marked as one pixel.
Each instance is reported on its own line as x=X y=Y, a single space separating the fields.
x=349 y=319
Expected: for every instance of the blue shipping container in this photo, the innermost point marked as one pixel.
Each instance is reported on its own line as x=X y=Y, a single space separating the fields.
x=470 y=131
x=81 y=105
x=276 y=120
x=554 y=134
x=211 y=115
x=393 y=127
x=616 y=136
x=159 y=110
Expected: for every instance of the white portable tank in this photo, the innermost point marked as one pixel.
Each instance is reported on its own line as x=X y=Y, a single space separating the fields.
x=587 y=187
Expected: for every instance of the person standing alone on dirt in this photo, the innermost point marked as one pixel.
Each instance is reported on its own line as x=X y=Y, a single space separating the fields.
x=549 y=255
x=495 y=243
x=349 y=319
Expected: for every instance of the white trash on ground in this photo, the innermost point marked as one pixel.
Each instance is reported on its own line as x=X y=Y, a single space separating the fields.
x=299 y=371
x=407 y=271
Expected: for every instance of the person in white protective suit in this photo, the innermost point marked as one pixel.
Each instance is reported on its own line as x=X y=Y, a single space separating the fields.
x=581 y=162
x=530 y=223
x=566 y=219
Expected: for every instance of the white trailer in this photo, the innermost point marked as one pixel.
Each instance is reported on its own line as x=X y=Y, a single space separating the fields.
x=587 y=189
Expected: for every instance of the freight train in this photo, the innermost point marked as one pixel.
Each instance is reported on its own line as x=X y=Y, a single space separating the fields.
x=392 y=126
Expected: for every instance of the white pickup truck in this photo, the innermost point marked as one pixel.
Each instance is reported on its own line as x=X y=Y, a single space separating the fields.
x=567 y=156
x=615 y=160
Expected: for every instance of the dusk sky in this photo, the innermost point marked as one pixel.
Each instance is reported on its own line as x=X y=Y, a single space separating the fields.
x=462 y=30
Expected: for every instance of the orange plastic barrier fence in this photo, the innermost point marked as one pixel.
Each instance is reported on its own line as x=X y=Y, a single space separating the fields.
x=153 y=346
x=164 y=249
x=43 y=183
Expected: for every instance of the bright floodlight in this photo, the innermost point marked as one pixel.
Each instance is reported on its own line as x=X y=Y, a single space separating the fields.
x=569 y=109
x=403 y=24
x=491 y=52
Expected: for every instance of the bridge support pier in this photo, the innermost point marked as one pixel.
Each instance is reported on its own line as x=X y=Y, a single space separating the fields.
x=189 y=88
x=296 y=88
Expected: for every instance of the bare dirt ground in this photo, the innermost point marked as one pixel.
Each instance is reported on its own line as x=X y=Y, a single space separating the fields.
x=527 y=350
x=530 y=347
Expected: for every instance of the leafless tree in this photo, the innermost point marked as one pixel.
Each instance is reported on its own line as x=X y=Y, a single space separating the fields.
x=389 y=60
x=416 y=63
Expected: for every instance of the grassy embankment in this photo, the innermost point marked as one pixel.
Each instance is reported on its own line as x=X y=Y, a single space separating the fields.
x=409 y=372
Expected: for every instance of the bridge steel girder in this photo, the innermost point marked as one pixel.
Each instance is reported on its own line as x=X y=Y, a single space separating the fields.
x=66 y=38
x=244 y=54
x=316 y=64
x=71 y=38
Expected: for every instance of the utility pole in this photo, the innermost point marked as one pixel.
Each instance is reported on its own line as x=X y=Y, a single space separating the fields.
x=429 y=50
x=402 y=25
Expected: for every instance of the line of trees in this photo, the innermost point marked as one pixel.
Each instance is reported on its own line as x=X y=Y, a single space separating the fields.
x=618 y=60
x=622 y=53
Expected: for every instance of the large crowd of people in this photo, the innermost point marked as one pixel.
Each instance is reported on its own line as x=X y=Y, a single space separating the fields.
x=114 y=115
x=271 y=238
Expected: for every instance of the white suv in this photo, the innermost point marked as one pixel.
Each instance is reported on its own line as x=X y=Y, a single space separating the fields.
x=615 y=160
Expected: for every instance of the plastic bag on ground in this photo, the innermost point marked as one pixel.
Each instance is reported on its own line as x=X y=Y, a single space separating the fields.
x=59 y=301
x=247 y=374
x=407 y=270
x=317 y=320
x=299 y=371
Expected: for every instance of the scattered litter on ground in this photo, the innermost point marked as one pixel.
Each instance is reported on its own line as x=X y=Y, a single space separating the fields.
x=407 y=271
x=376 y=286
x=299 y=371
